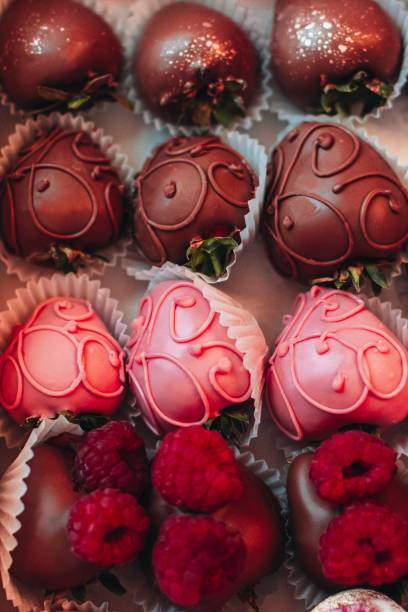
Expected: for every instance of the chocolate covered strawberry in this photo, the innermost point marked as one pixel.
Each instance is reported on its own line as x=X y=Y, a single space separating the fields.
x=235 y=535
x=57 y=55
x=349 y=507
x=335 y=58
x=68 y=536
x=195 y=65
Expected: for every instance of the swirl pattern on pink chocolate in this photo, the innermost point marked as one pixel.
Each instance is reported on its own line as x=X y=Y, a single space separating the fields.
x=183 y=367
x=335 y=364
x=188 y=188
x=62 y=359
x=331 y=198
x=61 y=190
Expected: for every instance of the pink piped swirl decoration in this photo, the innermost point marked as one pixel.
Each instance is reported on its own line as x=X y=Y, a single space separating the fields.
x=62 y=359
x=183 y=367
x=335 y=364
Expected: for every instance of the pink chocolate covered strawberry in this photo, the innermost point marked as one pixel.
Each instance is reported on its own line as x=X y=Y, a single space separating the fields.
x=185 y=368
x=234 y=537
x=335 y=364
x=63 y=359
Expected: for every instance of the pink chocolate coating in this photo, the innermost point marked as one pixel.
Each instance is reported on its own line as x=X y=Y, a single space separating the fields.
x=183 y=367
x=335 y=364
x=62 y=359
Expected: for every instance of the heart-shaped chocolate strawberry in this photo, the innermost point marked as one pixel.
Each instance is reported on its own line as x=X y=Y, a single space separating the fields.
x=334 y=207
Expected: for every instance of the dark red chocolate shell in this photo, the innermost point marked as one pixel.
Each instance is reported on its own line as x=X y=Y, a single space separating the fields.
x=186 y=189
x=54 y=44
x=62 y=190
x=331 y=199
x=187 y=52
x=322 y=40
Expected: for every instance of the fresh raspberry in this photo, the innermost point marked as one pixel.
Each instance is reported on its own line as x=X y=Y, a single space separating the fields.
x=352 y=465
x=112 y=456
x=107 y=527
x=367 y=544
x=196 y=556
x=195 y=469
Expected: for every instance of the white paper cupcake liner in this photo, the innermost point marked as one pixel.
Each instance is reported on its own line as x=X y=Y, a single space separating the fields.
x=304 y=589
x=400 y=168
x=25 y=135
x=143 y=10
x=255 y=155
x=21 y=307
x=243 y=328
x=398 y=324
x=106 y=12
x=151 y=599
x=288 y=111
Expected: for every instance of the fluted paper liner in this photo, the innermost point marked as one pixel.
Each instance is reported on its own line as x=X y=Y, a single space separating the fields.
x=152 y=600
x=21 y=307
x=393 y=160
x=141 y=13
x=304 y=589
x=288 y=111
x=24 y=135
x=105 y=11
x=255 y=155
x=243 y=328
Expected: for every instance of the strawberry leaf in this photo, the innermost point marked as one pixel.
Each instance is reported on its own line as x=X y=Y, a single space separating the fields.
x=112 y=583
x=211 y=256
x=232 y=422
x=64 y=258
x=86 y=420
x=360 y=91
x=355 y=275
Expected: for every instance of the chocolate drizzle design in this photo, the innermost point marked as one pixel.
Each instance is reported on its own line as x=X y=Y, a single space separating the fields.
x=62 y=191
x=187 y=189
x=62 y=359
x=177 y=340
x=332 y=199
x=335 y=364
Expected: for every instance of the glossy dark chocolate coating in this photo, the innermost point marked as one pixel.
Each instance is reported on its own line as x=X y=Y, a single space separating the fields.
x=61 y=190
x=55 y=44
x=187 y=43
x=43 y=558
x=331 y=199
x=187 y=188
x=315 y=38
x=310 y=515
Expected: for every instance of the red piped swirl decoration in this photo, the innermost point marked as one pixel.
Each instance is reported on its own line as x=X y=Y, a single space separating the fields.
x=183 y=367
x=186 y=189
x=331 y=198
x=61 y=190
x=335 y=364
x=62 y=359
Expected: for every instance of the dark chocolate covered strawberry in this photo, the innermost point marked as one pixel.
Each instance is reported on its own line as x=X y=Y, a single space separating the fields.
x=67 y=535
x=335 y=210
x=61 y=201
x=349 y=506
x=57 y=55
x=192 y=198
x=194 y=65
x=234 y=536
x=335 y=57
